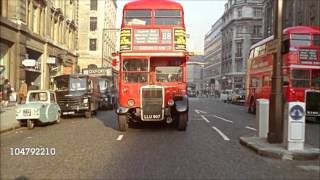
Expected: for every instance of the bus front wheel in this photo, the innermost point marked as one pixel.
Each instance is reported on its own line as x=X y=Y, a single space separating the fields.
x=182 y=121
x=122 y=122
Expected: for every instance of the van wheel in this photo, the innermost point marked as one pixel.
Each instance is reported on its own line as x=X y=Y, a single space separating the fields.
x=252 y=107
x=87 y=114
x=182 y=121
x=122 y=122
x=30 y=124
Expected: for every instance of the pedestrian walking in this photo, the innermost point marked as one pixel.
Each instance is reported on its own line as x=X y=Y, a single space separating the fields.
x=23 y=90
x=33 y=86
x=6 y=92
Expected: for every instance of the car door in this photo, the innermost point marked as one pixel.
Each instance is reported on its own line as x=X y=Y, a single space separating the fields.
x=52 y=108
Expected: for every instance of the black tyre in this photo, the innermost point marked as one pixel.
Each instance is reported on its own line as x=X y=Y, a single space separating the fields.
x=30 y=124
x=58 y=119
x=122 y=122
x=182 y=121
x=88 y=114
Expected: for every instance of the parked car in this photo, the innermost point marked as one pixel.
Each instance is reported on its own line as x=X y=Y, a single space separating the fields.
x=40 y=107
x=239 y=97
x=224 y=96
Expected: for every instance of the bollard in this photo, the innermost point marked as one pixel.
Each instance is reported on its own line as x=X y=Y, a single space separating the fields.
x=262 y=117
x=294 y=126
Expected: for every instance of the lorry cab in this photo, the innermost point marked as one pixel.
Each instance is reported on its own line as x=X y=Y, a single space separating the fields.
x=77 y=94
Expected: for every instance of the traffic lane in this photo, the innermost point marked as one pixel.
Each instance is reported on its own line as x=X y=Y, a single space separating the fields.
x=162 y=152
x=76 y=140
x=240 y=117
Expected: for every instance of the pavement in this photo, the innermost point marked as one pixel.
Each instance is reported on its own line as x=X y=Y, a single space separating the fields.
x=8 y=118
x=279 y=151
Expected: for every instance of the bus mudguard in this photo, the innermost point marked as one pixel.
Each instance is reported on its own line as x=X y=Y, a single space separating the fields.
x=182 y=104
x=122 y=110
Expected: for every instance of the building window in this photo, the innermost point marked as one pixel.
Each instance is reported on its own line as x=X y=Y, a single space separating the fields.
x=256 y=30
x=93 y=4
x=239 y=49
x=93 y=23
x=239 y=65
x=240 y=12
x=92 y=44
x=257 y=12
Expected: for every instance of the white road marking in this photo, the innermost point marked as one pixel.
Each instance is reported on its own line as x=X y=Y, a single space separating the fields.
x=223 y=119
x=221 y=134
x=204 y=118
x=202 y=112
x=251 y=128
x=199 y=111
x=120 y=137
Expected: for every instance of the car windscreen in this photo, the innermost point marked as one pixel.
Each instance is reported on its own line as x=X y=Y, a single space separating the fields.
x=62 y=84
x=38 y=96
x=78 y=84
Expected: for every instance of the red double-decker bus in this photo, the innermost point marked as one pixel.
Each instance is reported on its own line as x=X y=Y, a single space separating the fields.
x=300 y=70
x=152 y=75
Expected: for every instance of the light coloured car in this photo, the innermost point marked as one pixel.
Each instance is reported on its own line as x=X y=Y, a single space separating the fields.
x=225 y=95
x=40 y=107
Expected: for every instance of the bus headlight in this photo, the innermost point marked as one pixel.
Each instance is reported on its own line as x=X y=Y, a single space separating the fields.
x=130 y=102
x=171 y=102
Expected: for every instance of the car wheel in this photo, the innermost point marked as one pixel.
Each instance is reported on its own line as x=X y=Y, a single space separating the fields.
x=30 y=124
x=182 y=121
x=122 y=122
x=58 y=119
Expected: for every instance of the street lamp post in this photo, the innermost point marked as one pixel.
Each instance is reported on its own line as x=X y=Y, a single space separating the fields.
x=275 y=133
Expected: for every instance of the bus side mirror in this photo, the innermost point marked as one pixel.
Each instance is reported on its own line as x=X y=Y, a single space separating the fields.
x=114 y=62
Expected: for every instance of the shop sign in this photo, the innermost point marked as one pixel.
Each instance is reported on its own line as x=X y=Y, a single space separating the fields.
x=98 y=71
x=29 y=62
x=51 y=60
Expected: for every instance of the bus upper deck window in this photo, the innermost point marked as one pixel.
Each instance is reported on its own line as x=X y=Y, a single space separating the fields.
x=300 y=40
x=137 y=17
x=168 y=17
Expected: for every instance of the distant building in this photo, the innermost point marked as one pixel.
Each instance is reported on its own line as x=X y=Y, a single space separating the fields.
x=241 y=27
x=37 y=40
x=296 y=12
x=195 y=72
x=97 y=34
x=212 y=57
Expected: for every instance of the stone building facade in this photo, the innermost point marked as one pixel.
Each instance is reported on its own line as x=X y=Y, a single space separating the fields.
x=296 y=12
x=195 y=67
x=97 y=34
x=241 y=27
x=37 y=40
x=212 y=57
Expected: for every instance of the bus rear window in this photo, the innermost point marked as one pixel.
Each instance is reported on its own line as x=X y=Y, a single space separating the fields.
x=137 y=17
x=316 y=39
x=300 y=40
x=301 y=78
x=168 y=17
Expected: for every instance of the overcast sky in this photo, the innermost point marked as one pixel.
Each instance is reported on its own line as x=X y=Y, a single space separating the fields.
x=200 y=15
